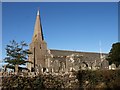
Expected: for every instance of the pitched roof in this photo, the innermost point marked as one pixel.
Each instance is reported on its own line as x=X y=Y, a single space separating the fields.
x=86 y=55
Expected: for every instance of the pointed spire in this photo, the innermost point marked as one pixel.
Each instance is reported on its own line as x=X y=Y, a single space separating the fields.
x=38 y=34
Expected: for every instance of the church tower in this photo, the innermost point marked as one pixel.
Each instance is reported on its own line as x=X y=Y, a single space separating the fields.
x=38 y=46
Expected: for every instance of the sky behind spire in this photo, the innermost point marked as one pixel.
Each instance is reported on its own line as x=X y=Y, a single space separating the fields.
x=66 y=26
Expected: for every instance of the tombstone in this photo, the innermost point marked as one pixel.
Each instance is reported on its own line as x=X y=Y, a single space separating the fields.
x=42 y=70
x=68 y=65
x=52 y=70
x=83 y=66
x=113 y=66
x=110 y=67
x=104 y=64
x=89 y=65
x=72 y=69
x=38 y=69
x=63 y=67
x=94 y=66
x=99 y=65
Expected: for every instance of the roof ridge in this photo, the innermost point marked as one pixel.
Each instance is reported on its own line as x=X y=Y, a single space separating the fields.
x=76 y=51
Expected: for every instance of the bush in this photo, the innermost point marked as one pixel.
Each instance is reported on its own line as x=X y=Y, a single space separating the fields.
x=81 y=79
x=99 y=78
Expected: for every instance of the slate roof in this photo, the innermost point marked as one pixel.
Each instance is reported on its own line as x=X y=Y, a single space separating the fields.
x=86 y=55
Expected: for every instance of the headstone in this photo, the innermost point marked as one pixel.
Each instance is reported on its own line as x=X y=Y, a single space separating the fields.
x=104 y=64
x=94 y=66
x=89 y=68
x=113 y=66
x=83 y=66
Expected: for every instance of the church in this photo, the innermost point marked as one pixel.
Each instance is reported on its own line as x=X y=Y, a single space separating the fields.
x=57 y=61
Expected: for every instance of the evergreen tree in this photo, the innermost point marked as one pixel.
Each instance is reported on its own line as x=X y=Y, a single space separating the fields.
x=114 y=54
x=16 y=55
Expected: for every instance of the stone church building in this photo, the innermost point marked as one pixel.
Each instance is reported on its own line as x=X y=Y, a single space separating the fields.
x=60 y=60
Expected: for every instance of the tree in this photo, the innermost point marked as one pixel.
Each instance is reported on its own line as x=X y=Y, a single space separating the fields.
x=16 y=55
x=114 y=54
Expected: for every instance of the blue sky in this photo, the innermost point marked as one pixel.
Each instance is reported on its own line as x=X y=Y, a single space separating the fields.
x=67 y=26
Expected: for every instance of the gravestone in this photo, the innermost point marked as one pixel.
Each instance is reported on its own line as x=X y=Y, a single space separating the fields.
x=83 y=66
x=113 y=66
x=104 y=64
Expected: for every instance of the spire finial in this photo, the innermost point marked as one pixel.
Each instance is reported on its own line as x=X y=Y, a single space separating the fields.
x=38 y=12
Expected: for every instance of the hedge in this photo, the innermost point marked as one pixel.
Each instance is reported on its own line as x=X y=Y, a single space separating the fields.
x=82 y=79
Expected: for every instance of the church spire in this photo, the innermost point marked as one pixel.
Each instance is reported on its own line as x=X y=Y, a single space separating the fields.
x=38 y=34
x=38 y=46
